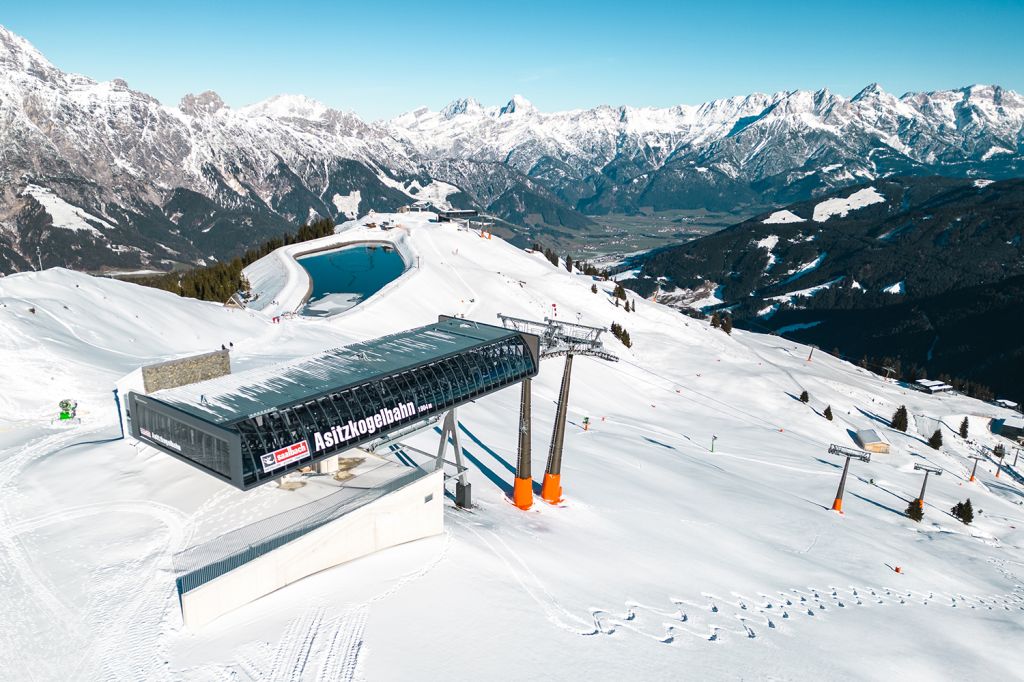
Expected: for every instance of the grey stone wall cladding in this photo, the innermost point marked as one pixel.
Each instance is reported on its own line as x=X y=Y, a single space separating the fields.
x=184 y=371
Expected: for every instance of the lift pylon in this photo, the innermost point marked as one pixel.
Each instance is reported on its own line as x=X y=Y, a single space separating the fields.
x=974 y=469
x=551 y=490
x=557 y=338
x=522 y=488
x=927 y=470
x=848 y=453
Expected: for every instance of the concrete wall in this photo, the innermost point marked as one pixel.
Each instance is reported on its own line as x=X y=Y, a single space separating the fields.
x=394 y=519
x=184 y=371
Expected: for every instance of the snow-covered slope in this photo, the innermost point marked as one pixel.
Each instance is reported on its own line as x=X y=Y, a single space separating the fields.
x=664 y=557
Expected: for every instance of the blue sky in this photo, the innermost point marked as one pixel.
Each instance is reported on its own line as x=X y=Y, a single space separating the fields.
x=382 y=58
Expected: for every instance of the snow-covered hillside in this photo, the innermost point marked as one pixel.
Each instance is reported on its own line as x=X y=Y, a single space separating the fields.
x=665 y=560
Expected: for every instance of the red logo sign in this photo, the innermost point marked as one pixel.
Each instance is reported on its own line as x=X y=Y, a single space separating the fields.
x=284 y=456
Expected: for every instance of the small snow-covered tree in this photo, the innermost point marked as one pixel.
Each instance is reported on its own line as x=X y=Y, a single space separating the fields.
x=804 y=397
x=936 y=440
x=828 y=412
x=914 y=510
x=963 y=428
x=899 y=419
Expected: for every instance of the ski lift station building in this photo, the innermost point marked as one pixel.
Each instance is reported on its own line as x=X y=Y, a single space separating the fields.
x=933 y=386
x=873 y=441
x=250 y=428
x=1012 y=428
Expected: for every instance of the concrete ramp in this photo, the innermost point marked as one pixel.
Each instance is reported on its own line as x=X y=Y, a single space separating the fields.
x=388 y=506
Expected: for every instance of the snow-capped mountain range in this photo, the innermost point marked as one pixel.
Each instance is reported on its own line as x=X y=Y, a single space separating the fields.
x=141 y=184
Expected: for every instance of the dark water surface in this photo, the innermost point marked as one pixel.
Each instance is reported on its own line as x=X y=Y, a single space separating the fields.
x=345 y=277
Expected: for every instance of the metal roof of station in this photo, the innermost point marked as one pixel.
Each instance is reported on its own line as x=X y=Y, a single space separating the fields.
x=234 y=397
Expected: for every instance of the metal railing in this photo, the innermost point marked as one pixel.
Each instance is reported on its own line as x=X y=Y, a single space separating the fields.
x=202 y=563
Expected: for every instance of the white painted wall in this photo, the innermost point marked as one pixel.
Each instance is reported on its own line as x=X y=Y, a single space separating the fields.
x=402 y=516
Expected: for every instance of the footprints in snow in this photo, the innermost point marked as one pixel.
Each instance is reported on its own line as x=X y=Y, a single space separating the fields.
x=716 y=620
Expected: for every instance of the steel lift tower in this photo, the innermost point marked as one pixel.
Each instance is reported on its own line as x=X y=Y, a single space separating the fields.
x=927 y=469
x=557 y=338
x=976 y=458
x=848 y=453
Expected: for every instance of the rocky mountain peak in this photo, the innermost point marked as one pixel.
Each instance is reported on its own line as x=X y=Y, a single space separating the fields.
x=289 y=106
x=17 y=54
x=518 y=105
x=204 y=104
x=463 y=105
x=872 y=91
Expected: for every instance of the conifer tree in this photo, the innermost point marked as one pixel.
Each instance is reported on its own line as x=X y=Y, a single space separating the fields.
x=963 y=511
x=963 y=428
x=620 y=292
x=625 y=339
x=727 y=324
x=899 y=419
x=716 y=321
x=914 y=511
x=936 y=440
x=828 y=412
x=804 y=397
x=568 y=262
x=593 y=288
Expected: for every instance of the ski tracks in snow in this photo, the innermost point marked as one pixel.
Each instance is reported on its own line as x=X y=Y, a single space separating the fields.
x=314 y=645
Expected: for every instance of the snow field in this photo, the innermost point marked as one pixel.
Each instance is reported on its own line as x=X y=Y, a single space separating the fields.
x=663 y=557
x=841 y=207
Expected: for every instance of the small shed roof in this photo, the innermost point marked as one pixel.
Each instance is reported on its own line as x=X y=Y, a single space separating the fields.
x=866 y=436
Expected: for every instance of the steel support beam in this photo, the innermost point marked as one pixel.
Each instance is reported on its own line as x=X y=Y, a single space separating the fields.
x=463 y=489
x=924 y=485
x=522 y=491
x=551 y=490
x=838 y=504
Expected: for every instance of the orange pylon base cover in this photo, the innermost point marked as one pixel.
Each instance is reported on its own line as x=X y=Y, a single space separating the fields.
x=551 y=490
x=838 y=505
x=522 y=493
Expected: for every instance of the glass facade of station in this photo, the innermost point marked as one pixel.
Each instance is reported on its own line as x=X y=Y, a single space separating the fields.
x=254 y=449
